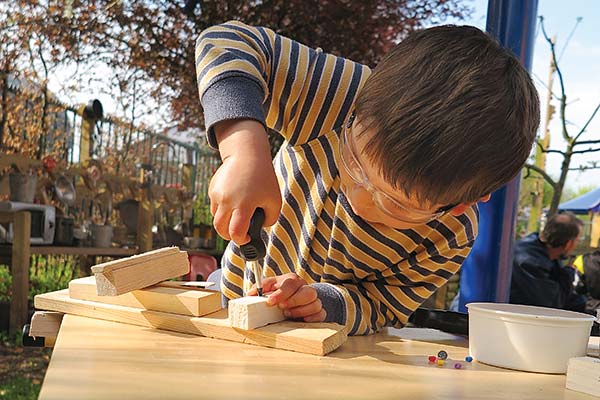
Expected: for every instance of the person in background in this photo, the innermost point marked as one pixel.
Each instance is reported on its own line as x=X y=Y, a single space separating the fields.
x=539 y=278
x=588 y=268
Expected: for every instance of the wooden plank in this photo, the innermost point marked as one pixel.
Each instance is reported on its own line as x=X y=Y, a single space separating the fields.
x=135 y=259
x=196 y=302
x=22 y=163
x=140 y=271
x=583 y=375
x=20 y=271
x=84 y=251
x=5 y=249
x=45 y=324
x=311 y=338
x=253 y=312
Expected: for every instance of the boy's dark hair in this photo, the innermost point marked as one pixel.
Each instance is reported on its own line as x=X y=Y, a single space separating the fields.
x=561 y=228
x=454 y=115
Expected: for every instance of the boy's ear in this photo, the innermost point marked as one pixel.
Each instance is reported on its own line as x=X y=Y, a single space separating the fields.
x=462 y=207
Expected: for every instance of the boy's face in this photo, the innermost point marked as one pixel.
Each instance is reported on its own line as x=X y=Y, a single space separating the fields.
x=369 y=195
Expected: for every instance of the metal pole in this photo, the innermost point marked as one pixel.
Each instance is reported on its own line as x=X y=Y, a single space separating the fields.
x=487 y=271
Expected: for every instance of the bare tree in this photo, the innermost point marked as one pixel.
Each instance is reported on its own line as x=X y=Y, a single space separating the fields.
x=575 y=141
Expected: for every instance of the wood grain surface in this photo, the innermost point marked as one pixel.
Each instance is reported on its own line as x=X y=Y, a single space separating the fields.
x=96 y=359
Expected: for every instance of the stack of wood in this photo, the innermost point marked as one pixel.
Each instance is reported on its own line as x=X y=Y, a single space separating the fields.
x=138 y=290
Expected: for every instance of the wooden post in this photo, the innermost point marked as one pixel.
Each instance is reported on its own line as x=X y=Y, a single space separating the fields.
x=20 y=271
x=595 y=229
x=146 y=220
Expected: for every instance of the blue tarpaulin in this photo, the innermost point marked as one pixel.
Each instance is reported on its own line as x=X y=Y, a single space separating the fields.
x=589 y=202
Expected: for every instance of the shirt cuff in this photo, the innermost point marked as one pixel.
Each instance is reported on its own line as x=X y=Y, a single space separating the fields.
x=333 y=302
x=231 y=98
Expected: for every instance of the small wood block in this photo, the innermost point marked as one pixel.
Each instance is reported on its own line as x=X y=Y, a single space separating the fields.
x=311 y=338
x=252 y=312
x=137 y=272
x=45 y=324
x=583 y=375
x=161 y=297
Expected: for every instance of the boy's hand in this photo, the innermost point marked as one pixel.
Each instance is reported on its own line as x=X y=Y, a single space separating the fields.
x=294 y=296
x=245 y=181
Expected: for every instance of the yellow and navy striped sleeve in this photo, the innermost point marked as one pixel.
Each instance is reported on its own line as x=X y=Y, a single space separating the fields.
x=254 y=73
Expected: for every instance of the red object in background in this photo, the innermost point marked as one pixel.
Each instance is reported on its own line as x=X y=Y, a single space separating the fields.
x=49 y=163
x=201 y=266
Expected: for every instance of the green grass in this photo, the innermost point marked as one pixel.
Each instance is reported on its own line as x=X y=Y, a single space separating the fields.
x=19 y=389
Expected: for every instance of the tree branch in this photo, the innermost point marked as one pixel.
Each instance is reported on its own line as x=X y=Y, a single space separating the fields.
x=586 y=142
x=583 y=168
x=590 y=150
x=587 y=123
x=563 y=100
x=543 y=150
x=543 y=173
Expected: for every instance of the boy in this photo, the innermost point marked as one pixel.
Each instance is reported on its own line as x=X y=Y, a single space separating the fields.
x=371 y=201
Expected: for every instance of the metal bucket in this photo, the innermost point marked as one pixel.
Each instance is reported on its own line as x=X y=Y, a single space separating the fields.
x=102 y=235
x=22 y=187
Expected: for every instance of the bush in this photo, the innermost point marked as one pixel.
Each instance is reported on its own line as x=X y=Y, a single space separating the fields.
x=46 y=274
x=50 y=273
x=5 y=284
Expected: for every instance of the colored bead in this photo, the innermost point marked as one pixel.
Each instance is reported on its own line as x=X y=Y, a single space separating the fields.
x=442 y=355
x=468 y=358
x=432 y=359
x=458 y=365
x=440 y=363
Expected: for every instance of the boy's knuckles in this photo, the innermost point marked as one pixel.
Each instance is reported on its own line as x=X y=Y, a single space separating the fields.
x=290 y=286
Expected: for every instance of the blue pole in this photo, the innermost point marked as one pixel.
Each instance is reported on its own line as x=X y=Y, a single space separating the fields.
x=486 y=272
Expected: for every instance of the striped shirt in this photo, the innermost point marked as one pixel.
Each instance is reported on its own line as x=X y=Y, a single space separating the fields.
x=366 y=276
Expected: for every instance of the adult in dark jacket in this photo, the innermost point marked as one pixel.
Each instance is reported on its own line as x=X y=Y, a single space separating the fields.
x=538 y=276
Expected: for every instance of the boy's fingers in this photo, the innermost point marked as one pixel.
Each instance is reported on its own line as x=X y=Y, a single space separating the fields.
x=221 y=222
x=268 y=284
x=286 y=289
x=272 y=213
x=238 y=226
x=304 y=311
x=303 y=296
x=318 y=317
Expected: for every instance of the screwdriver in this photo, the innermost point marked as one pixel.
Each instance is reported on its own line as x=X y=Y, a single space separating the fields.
x=255 y=249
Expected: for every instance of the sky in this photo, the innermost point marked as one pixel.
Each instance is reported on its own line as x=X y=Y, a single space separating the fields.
x=580 y=66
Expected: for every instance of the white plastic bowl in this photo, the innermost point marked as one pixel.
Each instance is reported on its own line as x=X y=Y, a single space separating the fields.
x=527 y=338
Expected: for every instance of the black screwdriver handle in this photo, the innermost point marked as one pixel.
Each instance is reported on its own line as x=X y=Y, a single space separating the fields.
x=255 y=249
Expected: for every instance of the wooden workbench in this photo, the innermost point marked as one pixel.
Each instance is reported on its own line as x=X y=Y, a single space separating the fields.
x=96 y=359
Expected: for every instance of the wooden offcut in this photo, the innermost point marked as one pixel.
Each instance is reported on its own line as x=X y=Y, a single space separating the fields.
x=583 y=375
x=253 y=312
x=137 y=272
x=45 y=324
x=310 y=338
x=160 y=297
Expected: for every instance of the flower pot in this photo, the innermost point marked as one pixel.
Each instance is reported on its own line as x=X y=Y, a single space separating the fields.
x=63 y=233
x=22 y=187
x=102 y=235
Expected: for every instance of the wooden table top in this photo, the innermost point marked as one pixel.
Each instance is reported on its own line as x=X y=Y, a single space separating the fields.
x=95 y=359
